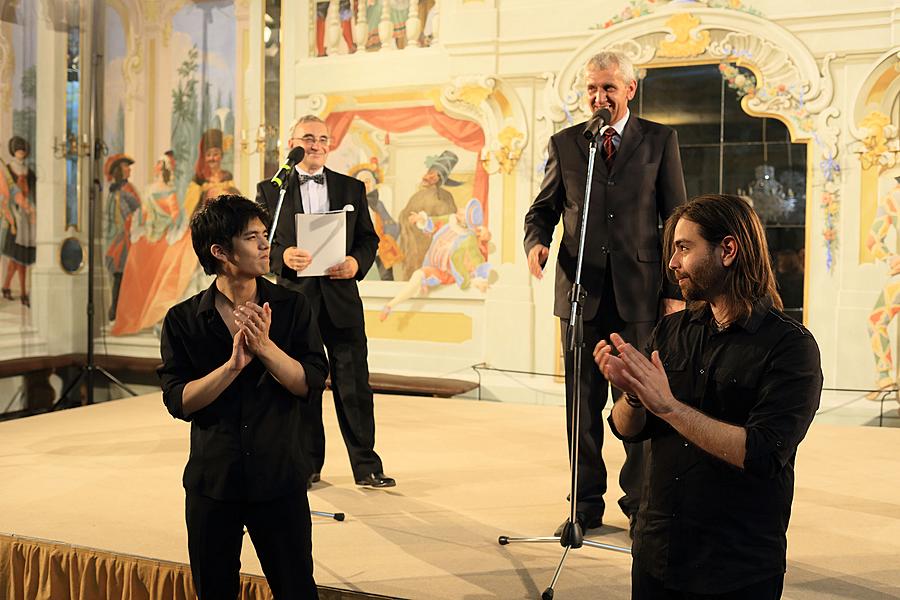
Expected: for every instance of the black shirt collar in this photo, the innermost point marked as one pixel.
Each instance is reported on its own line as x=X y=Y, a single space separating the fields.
x=751 y=323
x=268 y=292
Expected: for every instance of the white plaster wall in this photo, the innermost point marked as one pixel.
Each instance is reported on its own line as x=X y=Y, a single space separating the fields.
x=518 y=41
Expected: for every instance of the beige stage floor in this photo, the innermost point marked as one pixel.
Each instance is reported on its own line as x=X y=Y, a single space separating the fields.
x=109 y=477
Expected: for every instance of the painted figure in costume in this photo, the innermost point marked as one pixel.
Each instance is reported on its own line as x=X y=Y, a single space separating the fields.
x=888 y=304
x=456 y=254
x=160 y=261
x=433 y=200
x=18 y=208
x=399 y=13
x=210 y=179
x=121 y=205
x=346 y=16
x=160 y=211
x=386 y=227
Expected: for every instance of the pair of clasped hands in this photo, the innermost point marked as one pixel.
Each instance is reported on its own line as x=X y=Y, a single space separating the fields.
x=252 y=338
x=630 y=371
x=298 y=259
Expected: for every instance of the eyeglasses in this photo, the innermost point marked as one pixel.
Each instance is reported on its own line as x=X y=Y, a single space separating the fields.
x=309 y=140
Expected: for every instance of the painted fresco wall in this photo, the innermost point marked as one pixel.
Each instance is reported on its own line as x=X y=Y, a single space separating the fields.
x=18 y=179
x=148 y=257
x=443 y=108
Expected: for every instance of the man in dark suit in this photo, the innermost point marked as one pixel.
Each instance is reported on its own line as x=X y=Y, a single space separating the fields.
x=334 y=298
x=637 y=180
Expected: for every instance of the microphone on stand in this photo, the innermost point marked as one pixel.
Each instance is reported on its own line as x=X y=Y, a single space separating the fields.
x=596 y=123
x=294 y=156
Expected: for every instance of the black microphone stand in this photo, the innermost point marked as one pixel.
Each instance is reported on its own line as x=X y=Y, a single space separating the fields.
x=572 y=536
x=282 y=190
x=96 y=150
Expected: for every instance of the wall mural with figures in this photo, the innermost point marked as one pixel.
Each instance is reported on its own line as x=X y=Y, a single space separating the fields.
x=877 y=115
x=149 y=258
x=18 y=181
x=344 y=26
x=427 y=192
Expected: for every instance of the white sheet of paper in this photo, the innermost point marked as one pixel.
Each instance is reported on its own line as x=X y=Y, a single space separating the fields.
x=324 y=235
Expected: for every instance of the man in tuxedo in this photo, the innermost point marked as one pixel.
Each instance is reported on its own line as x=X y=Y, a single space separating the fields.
x=334 y=298
x=637 y=181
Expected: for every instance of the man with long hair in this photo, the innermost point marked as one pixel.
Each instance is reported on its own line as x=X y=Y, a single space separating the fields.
x=727 y=395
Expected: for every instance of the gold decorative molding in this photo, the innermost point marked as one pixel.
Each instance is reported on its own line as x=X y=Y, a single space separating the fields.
x=880 y=142
x=685 y=39
x=7 y=68
x=489 y=102
x=408 y=326
x=485 y=100
x=131 y=15
x=474 y=94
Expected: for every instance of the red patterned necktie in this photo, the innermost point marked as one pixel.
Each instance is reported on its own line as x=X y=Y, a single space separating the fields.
x=609 y=148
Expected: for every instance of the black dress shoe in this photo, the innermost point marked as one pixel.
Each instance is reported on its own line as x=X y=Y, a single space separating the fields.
x=314 y=478
x=376 y=480
x=586 y=523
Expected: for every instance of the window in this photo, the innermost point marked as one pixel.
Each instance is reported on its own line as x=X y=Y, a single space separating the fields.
x=725 y=150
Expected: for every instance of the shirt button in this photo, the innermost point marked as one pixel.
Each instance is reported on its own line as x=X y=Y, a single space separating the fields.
x=611 y=215
x=603 y=249
x=678 y=479
x=685 y=445
x=246 y=426
x=702 y=371
x=610 y=183
x=247 y=453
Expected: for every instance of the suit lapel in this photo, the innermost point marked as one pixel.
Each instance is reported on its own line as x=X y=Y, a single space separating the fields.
x=335 y=190
x=584 y=147
x=296 y=197
x=632 y=136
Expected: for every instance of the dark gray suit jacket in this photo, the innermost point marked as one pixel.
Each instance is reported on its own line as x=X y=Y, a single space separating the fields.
x=340 y=297
x=645 y=185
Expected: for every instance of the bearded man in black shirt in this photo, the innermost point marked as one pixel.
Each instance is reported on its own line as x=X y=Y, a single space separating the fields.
x=727 y=395
x=238 y=360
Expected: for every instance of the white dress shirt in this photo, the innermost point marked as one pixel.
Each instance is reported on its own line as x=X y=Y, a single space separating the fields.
x=314 y=195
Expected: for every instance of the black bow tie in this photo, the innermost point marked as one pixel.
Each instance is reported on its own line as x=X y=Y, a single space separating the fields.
x=320 y=178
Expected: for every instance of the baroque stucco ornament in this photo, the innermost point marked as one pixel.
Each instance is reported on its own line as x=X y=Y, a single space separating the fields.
x=490 y=103
x=790 y=83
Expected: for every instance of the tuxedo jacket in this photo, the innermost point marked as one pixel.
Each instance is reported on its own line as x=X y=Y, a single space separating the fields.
x=628 y=202
x=340 y=297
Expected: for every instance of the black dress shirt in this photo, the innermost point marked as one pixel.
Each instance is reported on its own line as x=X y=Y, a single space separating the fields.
x=244 y=445
x=705 y=526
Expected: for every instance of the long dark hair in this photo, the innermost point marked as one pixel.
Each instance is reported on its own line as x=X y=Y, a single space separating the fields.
x=750 y=277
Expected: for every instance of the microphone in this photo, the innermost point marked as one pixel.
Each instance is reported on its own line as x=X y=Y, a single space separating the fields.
x=293 y=157
x=596 y=123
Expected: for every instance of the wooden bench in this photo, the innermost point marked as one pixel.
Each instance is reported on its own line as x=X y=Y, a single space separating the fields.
x=142 y=370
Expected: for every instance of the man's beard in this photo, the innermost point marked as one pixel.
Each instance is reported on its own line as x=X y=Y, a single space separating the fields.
x=705 y=284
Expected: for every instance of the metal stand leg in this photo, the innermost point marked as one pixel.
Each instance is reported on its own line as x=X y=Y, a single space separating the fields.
x=572 y=536
x=336 y=516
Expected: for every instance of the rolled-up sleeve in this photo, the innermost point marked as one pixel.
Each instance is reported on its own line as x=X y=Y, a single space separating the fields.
x=175 y=371
x=789 y=394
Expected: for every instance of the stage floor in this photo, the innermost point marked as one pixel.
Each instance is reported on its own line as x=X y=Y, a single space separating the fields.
x=109 y=477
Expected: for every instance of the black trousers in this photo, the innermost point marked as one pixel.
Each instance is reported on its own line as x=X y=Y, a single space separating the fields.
x=645 y=587
x=592 y=474
x=348 y=353
x=281 y=532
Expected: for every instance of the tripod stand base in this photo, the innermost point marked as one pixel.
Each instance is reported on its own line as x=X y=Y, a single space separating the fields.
x=547 y=594
x=505 y=540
